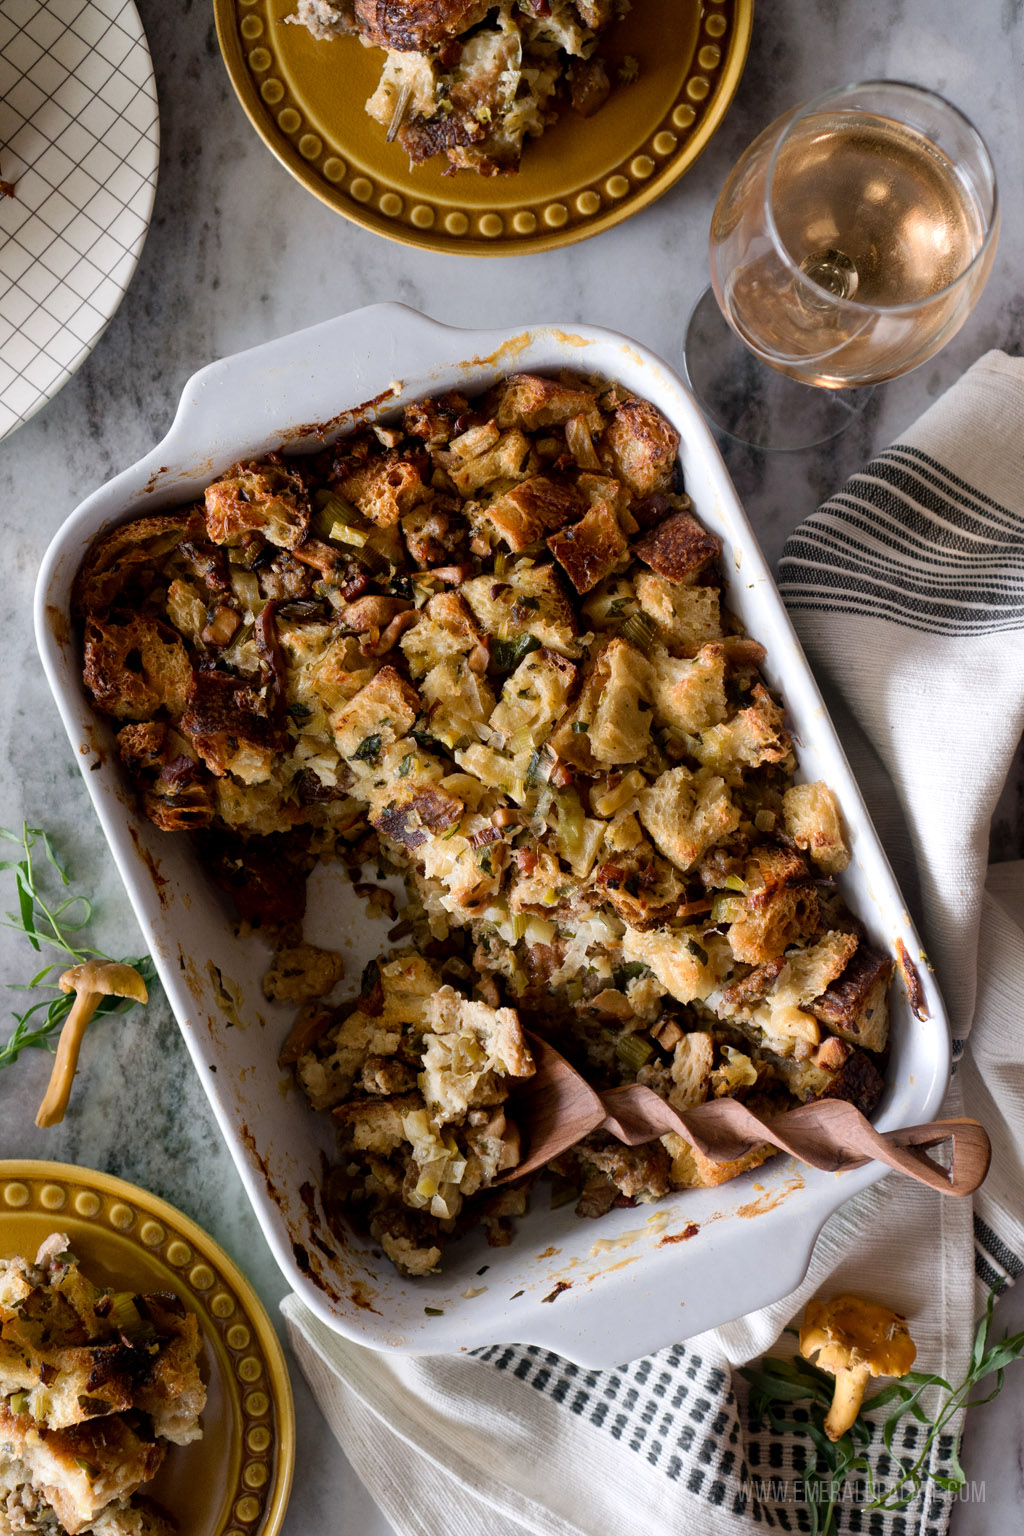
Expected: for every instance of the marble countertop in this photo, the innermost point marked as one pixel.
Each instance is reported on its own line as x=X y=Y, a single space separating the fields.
x=239 y=252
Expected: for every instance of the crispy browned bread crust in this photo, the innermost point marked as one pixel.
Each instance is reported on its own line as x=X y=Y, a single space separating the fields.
x=412 y=25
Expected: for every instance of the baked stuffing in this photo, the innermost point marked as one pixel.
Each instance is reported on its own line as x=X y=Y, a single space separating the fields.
x=469 y=79
x=94 y=1384
x=486 y=647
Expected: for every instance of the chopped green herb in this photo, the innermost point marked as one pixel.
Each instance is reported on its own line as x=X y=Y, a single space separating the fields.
x=368 y=749
x=434 y=1311
x=696 y=950
x=629 y=972
x=580 y=727
x=405 y=765
x=507 y=654
x=299 y=712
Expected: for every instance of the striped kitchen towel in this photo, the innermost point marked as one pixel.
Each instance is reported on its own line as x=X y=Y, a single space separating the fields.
x=907 y=590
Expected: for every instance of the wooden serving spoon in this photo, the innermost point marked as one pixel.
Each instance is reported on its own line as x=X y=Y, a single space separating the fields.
x=557 y=1108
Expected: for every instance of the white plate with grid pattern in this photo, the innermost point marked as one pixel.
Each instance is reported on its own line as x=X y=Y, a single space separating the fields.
x=79 y=142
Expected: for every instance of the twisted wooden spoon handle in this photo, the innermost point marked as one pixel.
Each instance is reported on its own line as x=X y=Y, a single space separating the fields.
x=830 y=1134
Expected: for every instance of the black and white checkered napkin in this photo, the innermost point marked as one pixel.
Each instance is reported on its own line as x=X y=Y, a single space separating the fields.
x=907 y=589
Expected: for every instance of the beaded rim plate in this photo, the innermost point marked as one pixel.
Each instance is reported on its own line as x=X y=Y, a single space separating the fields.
x=305 y=99
x=236 y=1480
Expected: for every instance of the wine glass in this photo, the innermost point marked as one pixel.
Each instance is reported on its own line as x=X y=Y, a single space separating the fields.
x=848 y=244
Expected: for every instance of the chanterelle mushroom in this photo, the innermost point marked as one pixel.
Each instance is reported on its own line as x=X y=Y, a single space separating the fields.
x=91 y=982
x=854 y=1339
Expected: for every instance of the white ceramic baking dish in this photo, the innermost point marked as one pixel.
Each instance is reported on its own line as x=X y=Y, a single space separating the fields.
x=629 y=1290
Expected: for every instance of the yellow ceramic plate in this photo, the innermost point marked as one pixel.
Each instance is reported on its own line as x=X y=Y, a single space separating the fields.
x=236 y=1480
x=305 y=98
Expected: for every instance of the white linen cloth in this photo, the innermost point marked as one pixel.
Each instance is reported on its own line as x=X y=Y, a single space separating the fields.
x=907 y=590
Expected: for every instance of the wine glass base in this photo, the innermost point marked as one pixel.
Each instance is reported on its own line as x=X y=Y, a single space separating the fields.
x=753 y=403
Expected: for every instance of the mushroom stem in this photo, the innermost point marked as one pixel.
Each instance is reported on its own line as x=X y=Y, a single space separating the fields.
x=846 y=1400
x=91 y=982
x=55 y=1100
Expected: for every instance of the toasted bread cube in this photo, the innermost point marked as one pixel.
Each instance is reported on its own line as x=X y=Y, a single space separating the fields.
x=301 y=972
x=809 y=971
x=643 y=447
x=695 y=1170
x=230 y=728
x=780 y=908
x=456 y=700
x=412 y=813
x=594 y=488
x=385 y=709
x=642 y=888
x=763 y=931
x=689 y=694
x=327 y=678
x=855 y=1005
x=753 y=736
x=858 y=1081
x=675 y=958
x=607 y=607
x=531 y=602
x=328 y=1069
x=446 y=627
x=375 y=1125
x=590 y=549
x=533 y=697
x=687 y=813
x=527 y=400
x=687 y=617
x=692 y=1061
x=510 y=457
x=471 y=876
x=189 y=610
x=678 y=548
x=263 y=498
x=619 y=729
x=120 y=554
x=130 y=688
x=811 y=813
x=468 y=1049
x=409 y=1256
x=385 y=488
x=526 y=512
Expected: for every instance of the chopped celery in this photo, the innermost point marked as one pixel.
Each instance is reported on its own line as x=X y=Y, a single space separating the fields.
x=633 y=1051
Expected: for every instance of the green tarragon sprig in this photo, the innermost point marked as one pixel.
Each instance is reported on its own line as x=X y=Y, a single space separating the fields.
x=55 y=923
x=777 y=1386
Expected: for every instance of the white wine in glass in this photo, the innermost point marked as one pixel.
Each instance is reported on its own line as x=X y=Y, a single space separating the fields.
x=848 y=244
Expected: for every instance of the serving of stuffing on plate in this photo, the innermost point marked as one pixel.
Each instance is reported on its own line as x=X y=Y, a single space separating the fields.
x=486 y=647
x=472 y=80
x=94 y=1385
